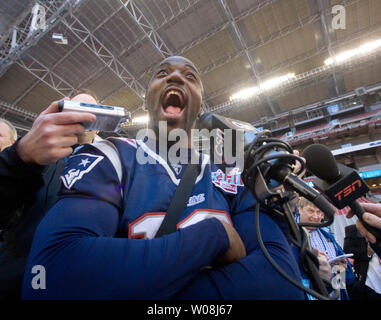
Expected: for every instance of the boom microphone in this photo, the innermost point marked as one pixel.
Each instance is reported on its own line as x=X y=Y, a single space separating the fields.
x=273 y=157
x=341 y=184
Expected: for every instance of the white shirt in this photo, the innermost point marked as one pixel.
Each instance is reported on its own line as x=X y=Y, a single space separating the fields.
x=373 y=279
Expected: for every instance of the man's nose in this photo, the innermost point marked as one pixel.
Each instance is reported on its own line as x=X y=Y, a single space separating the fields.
x=175 y=76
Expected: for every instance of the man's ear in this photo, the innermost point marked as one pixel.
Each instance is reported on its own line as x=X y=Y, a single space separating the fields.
x=202 y=110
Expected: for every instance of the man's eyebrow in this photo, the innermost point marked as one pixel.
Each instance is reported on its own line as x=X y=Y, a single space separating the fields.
x=187 y=65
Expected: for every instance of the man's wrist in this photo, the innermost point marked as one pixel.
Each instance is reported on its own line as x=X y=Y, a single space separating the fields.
x=22 y=161
x=23 y=155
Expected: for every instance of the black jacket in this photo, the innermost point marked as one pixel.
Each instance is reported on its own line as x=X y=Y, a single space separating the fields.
x=19 y=182
x=33 y=191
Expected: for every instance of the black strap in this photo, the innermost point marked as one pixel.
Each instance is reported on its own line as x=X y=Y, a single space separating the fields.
x=179 y=200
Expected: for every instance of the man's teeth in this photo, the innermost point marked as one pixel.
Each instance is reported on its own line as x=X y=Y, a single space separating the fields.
x=173 y=92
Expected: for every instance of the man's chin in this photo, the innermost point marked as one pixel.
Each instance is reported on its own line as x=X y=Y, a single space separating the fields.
x=173 y=121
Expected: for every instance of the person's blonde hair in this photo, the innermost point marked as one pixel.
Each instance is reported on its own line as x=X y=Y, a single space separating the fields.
x=12 y=129
x=303 y=202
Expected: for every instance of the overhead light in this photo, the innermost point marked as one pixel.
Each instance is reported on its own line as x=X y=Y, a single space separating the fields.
x=349 y=54
x=141 y=119
x=274 y=82
x=329 y=61
x=370 y=46
x=59 y=38
x=266 y=85
x=245 y=93
x=346 y=55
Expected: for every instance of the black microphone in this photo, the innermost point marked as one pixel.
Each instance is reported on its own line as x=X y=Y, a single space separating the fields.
x=342 y=185
x=275 y=160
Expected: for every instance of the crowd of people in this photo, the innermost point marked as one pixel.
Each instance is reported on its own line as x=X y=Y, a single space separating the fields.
x=81 y=215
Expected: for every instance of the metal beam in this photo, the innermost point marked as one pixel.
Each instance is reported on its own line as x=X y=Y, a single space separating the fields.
x=243 y=46
x=31 y=29
x=147 y=28
x=17 y=111
x=30 y=88
x=299 y=59
x=270 y=38
x=46 y=75
x=21 y=17
x=149 y=32
x=260 y=5
x=301 y=80
x=103 y=53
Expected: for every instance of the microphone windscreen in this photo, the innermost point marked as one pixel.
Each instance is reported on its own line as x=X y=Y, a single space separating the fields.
x=321 y=162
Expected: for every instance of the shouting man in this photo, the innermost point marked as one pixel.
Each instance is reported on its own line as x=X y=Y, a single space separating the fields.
x=98 y=241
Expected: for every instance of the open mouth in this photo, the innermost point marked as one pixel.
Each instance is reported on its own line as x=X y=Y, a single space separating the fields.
x=173 y=102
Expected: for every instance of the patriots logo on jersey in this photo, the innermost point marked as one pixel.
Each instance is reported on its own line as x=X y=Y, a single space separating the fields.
x=78 y=166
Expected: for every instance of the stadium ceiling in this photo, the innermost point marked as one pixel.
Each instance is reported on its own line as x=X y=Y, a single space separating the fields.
x=113 y=45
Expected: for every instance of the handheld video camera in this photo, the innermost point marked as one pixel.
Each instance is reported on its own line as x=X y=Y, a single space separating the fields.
x=108 y=117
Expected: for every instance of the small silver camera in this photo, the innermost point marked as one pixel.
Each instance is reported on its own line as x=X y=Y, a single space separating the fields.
x=108 y=117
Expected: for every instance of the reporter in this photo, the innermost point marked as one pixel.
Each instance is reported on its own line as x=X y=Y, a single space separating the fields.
x=30 y=174
x=21 y=165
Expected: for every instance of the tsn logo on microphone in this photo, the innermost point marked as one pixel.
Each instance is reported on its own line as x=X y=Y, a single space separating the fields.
x=348 y=190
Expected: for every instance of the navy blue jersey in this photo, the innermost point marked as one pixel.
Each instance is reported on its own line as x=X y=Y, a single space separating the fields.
x=98 y=241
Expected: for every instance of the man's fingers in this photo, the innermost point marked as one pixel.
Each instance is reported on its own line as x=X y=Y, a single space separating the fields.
x=53 y=108
x=373 y=208
x=71 y=117
x=372 y=220
x=70 y=129
x=67 y=141
x=364 y=232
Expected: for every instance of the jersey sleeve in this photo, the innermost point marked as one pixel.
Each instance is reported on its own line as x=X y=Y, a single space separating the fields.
x=94 y=171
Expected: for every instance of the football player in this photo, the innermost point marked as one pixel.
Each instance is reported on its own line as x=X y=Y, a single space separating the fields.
x=98 y=241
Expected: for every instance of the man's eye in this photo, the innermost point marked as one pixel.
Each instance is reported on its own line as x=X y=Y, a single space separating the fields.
x=161 y=72
x=191 y=75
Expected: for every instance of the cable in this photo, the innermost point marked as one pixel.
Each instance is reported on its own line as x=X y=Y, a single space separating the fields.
x=262 y=156
x=277 y=267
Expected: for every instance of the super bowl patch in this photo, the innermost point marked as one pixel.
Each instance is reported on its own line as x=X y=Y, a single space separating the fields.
x=227 y=182
x=78 y=166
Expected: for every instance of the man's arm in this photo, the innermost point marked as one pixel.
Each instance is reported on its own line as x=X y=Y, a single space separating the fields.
x=75 y=244
x=21 y=165
x=252 y=277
